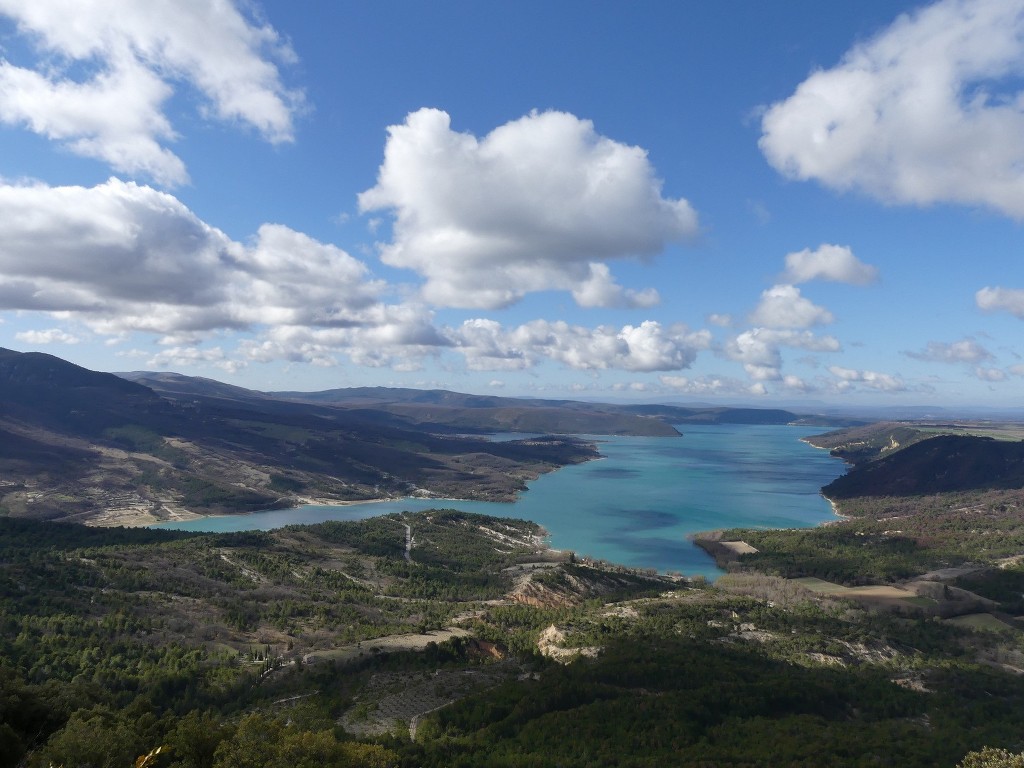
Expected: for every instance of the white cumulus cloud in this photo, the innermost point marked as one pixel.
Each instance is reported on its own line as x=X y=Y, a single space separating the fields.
x=990 y=374
x=704 y=385
x=963 y=351
x=120 y=257
x=782 y=306
x=601 y=290
x=133 y=52
x=720 y=319
x=646 y=347
x=848 y=377
x=537 y=204
x=1001 y=300
x=759 y=349
x=930 y=110
x=397 y=337
x=179 y=357
x=796 y=384
x=835 y=263
x=49 y=336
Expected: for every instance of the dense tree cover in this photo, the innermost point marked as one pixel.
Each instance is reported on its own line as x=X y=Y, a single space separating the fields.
x=845 y=554
x=259 y=742
x=94 y=622
x=734 y=681
x=113 y=643
x=940 y=464
x=894 y=537
x=1004 y=585
x=990 y=757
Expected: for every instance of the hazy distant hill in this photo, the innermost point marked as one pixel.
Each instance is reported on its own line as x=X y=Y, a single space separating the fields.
x=177 y=384
x=715 y=415
x=435 y=411
x=491 y=413
x=377 y=395
x=446 y=411
x=443 y=410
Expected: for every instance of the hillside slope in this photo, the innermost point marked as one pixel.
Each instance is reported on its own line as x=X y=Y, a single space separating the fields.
x=938 y=464
x=80 y=445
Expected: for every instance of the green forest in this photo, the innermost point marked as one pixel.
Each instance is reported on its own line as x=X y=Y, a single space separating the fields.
x=124 y=647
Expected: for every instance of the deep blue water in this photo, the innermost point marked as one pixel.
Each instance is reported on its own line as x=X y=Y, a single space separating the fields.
x=637 y=505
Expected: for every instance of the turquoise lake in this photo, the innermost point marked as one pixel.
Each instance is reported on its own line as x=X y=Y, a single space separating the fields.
x=638 y=504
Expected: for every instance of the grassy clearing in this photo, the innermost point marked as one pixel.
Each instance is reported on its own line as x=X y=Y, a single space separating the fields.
x=868 y=594
x=389 y=644
x=985 y=429
x=820 y=585
x=980 y=621
x=921 y=601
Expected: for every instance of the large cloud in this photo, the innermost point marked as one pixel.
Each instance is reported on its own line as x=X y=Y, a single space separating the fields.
x=122 y=257
x=759 y=349
x=963 y=351
x=782 y=306
x=403 y=336
x=835 y=263
x=930 y=110
x=132 y=50
x=390 y=336
x=538 y=204
x=1001 y=299
x=176 y=357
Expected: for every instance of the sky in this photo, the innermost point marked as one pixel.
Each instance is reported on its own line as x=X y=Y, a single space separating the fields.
x=698 y=202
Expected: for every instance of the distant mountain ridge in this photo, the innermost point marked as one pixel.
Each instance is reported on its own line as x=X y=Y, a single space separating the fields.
x=446 y=411
x=176 y=383
x=438 y=411
x=447 y=398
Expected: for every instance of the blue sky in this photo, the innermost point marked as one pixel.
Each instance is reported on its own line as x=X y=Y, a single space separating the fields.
x=723 y=202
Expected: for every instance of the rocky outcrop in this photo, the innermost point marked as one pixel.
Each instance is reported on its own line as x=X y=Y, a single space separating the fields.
x=570 y=584
x=550 y=644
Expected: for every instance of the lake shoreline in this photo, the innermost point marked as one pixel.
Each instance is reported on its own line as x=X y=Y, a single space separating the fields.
x=640 y=504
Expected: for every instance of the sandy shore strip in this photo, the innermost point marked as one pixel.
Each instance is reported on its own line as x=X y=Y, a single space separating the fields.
x=140 y=516
x=835 y=511
x=143 y=515
x=738 y=547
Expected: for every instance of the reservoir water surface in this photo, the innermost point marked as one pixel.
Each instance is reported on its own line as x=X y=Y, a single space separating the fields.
x=638 y=504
